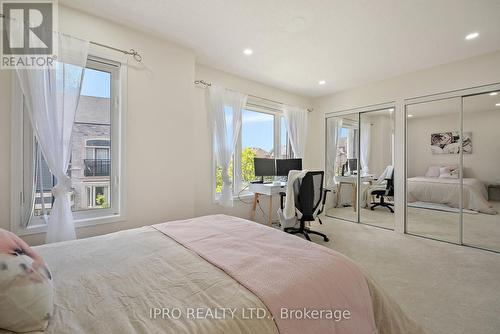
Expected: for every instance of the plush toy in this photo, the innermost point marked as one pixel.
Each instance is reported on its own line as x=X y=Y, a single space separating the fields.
x=26 y=291
x=11 y=244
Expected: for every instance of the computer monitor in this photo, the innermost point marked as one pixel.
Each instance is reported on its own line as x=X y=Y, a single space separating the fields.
x=264 y=167
x=283 y=166
x=353 y=165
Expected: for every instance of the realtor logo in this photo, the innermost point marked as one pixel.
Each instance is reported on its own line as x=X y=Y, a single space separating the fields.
x=27 y=34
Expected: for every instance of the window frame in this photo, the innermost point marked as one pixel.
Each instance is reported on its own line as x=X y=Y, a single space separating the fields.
x=278 y=115
x=92 y=187
x=116 y=213
x=95 y=148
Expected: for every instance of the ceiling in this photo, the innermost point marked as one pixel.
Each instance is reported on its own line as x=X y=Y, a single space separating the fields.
x=296 y=43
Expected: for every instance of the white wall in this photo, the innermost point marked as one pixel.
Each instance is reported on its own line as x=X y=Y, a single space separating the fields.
x=203 y=197
x=168 y=153
x=483 y=164
x=477 y=71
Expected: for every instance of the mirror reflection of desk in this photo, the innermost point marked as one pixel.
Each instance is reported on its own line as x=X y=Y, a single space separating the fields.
x=351 y=180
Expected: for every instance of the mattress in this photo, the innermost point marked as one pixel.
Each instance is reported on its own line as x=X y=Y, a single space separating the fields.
x=138 y=280
x=447 y=191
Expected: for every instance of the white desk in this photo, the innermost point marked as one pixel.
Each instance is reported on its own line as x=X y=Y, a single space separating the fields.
x=268 y=189
x=351 y=180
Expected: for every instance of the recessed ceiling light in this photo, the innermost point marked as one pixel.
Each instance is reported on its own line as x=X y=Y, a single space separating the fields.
x=493 y=93
x=497 y=105
x=410 y=116
x=472 y=35
x=248 y=52
x=391 y=110
x=321 y=82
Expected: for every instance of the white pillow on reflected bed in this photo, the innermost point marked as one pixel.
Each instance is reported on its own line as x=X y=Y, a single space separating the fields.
x=448 y=173
x=433 y=171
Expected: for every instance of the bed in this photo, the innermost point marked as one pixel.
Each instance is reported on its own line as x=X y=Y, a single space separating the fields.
x=447 y=191
x=116 y=283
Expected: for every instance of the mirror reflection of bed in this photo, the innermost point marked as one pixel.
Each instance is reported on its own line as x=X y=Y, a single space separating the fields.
x=435 y=151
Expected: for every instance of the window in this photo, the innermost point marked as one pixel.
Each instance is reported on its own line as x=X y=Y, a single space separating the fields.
x=257 y=141
x=346 y=148
x=97 y=196
x=97 y=160
x=95 y=166
x=263 y=135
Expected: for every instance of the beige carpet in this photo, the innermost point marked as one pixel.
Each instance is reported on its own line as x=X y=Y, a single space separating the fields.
x=448 y=289
x=480 y=230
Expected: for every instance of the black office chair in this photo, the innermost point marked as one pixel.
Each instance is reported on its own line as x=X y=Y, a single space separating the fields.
x=309 y=194
x=382 y=193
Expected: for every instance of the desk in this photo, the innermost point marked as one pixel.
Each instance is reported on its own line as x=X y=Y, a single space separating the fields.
x=351 y=180
x=268 y=189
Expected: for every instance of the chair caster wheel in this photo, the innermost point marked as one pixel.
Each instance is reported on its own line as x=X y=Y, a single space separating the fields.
x=326 y=239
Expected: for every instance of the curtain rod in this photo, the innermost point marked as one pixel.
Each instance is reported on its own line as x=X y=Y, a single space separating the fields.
x=208 y=84
x=137 y=56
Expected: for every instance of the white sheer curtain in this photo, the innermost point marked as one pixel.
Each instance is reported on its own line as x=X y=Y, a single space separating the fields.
x=51 y=96
x=364 y=152
x=296 y=123
x=225 y=109
x=350 y=143
x=333 y=126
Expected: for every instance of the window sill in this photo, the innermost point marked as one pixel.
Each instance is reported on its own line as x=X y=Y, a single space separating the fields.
x=94 y=221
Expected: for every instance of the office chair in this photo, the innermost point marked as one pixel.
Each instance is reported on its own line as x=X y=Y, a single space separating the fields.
x=382 y=193
x=309 y=194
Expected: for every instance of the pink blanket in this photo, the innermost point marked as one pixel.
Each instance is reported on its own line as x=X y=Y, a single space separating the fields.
x=284 y=271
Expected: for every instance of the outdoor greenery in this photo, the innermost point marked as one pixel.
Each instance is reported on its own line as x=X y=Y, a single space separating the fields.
x=247 y=168
x=101 y=201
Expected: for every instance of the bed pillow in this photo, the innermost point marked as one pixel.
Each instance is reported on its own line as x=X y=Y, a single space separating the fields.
x=433 y=171
x=26 y=294
x=448 y=172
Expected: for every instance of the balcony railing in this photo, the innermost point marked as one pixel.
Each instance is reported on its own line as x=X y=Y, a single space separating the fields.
x=97 y=167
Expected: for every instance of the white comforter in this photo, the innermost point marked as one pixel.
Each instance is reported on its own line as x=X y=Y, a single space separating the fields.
x=115 y=283
x=447 y=191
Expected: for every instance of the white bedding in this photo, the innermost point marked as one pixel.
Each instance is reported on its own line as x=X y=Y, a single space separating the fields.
x=447 y=191
x=110 y=283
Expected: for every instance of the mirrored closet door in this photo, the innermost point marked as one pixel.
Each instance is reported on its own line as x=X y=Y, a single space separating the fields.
x=376 y=154
x=433 y=169
x=481 y=170
x=342 y=145
x=359 y=167
x=453 y=174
